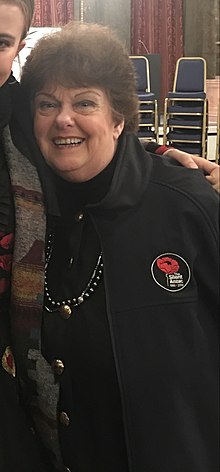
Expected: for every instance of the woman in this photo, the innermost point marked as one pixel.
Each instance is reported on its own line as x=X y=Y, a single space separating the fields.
x=122 y=360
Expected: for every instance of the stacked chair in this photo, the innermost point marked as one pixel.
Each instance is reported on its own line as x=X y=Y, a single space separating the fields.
x=148 y=108
x=217 y=152
x=186 y=108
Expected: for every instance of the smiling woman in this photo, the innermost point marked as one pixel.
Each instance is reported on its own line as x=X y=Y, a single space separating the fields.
x=126 y=332
x=80 y=102
x=75 y=131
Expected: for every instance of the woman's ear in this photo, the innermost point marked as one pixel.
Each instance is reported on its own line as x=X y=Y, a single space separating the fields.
x=118 y=128
x=21 y=45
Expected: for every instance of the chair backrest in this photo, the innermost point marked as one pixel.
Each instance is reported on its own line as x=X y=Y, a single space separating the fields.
x=190 y=75
x=141 y=66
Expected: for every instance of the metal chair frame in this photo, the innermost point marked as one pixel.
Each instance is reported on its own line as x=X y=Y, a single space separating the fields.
x=198 y=108
x=217 y=152
x=146 y=129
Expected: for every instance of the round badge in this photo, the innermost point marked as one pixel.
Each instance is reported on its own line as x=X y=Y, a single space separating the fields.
x=170 y=272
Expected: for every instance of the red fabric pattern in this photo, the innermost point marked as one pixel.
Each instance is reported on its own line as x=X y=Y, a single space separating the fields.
x=6 y=246
x=53 y=12
x=5 y=262
x=6 y=240
x=159 y=25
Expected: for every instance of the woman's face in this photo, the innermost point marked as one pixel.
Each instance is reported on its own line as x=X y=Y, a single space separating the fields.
x=75 y=131
x=11 y=30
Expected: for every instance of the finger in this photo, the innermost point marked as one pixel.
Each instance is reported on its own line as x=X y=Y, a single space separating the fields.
x=182 y=157
x=214 y=182
x=211 y=179
x=205 y=164
x=188 y=162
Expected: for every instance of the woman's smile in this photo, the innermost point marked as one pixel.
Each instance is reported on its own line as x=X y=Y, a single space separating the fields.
x=69 y=141
x=77 y=125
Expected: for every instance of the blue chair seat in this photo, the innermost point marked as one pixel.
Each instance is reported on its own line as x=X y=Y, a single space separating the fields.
x=145 y=133
x=191 y=148
x=146 y=96
x=185 y=109
x=187 y=123
x=189 y=95
x=147 y=108
x=148 y=121
x=184 y=137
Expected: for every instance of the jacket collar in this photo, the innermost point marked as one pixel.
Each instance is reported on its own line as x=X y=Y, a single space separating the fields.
x=130 y=179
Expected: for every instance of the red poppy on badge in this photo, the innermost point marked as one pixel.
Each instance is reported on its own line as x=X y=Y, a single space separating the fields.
x=171 y=272
x=168 y=265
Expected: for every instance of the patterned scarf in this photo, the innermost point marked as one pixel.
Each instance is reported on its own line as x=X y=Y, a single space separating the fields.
x=41 y=392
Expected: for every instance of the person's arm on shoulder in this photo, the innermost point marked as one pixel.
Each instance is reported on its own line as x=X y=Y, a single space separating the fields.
x=188 y=160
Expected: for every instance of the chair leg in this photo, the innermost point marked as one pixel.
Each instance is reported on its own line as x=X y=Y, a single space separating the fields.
x=165 y=121
x=204 y=129
x=217 y=152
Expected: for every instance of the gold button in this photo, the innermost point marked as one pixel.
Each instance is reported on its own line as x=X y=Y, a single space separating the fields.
x=65 y=311
x=79 y=216
x=64 y=418
x=57 y=366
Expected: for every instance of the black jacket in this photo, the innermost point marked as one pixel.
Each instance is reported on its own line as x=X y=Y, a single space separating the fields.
x=158 y=227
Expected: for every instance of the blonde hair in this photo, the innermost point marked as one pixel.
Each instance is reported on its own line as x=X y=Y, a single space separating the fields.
x=85 y=55
x=27 y=8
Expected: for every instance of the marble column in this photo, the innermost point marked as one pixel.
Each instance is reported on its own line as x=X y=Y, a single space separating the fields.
x=201 y=29
x=113 y=13
x=201 y=38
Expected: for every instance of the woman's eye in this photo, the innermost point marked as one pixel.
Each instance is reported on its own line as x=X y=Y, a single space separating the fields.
x=84 y=106
x=44 y=107
x=4 y=44
x=47 y=105
x=86 y=103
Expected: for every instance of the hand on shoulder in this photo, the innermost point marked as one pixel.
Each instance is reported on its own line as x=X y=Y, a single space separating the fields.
x=194 y=162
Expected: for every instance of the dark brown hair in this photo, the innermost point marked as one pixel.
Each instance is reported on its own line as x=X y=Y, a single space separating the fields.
x=27 y=8
x=85 y=55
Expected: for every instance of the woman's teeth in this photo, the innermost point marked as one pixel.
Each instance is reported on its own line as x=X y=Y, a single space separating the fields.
x=67 y=141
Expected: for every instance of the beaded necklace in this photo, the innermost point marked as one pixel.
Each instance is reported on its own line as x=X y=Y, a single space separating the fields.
x=65 y=307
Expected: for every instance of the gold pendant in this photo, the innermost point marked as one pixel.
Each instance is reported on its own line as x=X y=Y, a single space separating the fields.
x=8 y=362
x=65 y=311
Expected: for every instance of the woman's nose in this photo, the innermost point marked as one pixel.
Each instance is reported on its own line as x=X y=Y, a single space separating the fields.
x=65 y=117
